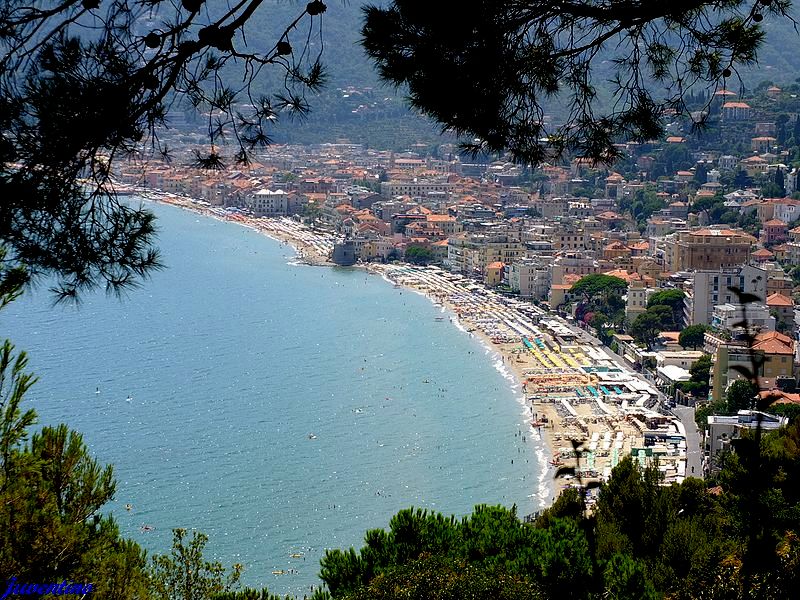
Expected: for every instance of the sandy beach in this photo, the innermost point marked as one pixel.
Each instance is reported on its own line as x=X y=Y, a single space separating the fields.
x=573 y=391
x=313 y=246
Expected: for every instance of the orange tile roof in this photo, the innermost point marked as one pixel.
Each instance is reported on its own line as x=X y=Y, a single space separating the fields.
x=772 y=342
x=624 y=275
x=778 y=299
x=775 y=222
x=780 y=397
x=616 y=245
x=722 y=232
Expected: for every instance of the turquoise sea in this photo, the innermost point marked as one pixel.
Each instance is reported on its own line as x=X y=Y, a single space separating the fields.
x=279 y=408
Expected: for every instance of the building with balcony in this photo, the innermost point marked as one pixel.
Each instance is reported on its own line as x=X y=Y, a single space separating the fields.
x=530 y=277
x=722 y=429
x=708 y=289
x=269 y=203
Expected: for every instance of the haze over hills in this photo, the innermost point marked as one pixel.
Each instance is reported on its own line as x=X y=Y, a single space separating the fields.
x=355 y=105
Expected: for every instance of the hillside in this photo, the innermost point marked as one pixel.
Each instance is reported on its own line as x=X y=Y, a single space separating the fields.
x=356 y=106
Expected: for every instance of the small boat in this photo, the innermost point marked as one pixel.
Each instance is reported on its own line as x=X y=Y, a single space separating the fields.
x=296 y=555
x=311 y=436
x=129 y=507
x=279 y=572
x=146 y=528
x=129 y=398
x=97 y=391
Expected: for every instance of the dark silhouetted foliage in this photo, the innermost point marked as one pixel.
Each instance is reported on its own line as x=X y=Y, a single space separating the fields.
x=83 y=84
x=489 y=73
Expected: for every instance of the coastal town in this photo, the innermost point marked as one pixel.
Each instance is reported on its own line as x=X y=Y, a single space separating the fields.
x=615 y=293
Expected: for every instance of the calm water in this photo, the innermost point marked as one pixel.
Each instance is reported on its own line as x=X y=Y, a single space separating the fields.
x=263 y=394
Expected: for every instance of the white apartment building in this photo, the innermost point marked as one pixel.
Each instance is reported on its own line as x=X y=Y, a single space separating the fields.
x=728 y=316
x=710 y=288
x=268 y=203
x=530 y=277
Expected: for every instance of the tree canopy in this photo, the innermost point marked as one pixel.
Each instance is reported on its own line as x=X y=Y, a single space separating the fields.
x=740 y=395
x=643 y=540
x=51 y=496
x=674 y=300
x=700 y=374
x=693 y=336
x=592 y=286
x=491 y=73
x=601 y=301
x=419 y=255
x=646 y=327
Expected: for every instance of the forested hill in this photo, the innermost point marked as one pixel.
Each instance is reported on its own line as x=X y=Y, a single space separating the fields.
x=779 y=61
x=355 y=105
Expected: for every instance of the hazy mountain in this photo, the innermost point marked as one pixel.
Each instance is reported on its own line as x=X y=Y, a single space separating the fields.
x=355 y=105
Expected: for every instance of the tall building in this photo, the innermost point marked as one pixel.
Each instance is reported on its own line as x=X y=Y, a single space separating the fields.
x=531 y=277
x=707 y=249
x=710 y=288
x=573 y=263
x=472 y=253
x=268 y=203
x=636 y=301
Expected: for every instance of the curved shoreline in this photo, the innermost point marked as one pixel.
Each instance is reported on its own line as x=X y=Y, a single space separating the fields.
x=309 y=254
x=505 y=359
x=503 y=362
